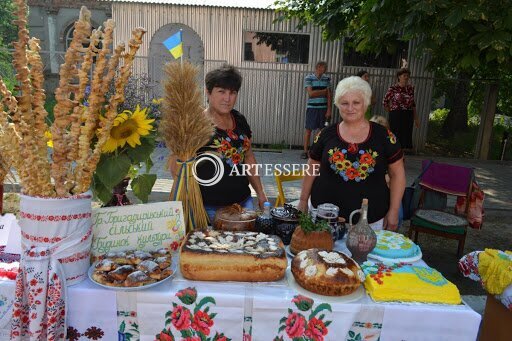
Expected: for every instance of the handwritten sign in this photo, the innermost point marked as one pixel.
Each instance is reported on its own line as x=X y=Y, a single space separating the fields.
x=137 y=227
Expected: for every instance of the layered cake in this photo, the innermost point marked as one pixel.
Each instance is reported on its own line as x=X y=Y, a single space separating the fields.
x=394 y=245
x=132 y=268
x=328 y=273
x=232 y=256
x=408 y=283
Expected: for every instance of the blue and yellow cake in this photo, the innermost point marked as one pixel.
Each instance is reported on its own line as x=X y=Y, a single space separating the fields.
x=408 y=283
x=394 y=245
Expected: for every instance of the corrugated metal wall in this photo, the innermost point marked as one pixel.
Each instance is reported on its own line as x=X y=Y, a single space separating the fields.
x=272 y=96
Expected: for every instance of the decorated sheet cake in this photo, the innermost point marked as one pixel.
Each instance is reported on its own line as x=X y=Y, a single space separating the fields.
x=407 y=283
x=395 y=246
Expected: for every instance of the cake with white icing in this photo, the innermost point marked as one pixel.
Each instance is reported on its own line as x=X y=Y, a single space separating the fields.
x=394 y=245
x=232 y=256
x=325 y=272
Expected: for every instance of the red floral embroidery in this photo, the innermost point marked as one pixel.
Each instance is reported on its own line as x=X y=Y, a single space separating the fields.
x=298 y=328
x=316 y=329
x=295 y=325
x=352 y=148
x=37 y=239
x=202 y=322
x=75 y=258
x=180 y=318
x=193 y=325
x=37 y=217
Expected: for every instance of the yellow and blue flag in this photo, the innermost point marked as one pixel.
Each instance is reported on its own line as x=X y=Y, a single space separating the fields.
x=175 y=45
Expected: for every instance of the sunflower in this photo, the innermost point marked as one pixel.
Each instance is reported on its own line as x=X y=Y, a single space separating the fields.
x=128 y=128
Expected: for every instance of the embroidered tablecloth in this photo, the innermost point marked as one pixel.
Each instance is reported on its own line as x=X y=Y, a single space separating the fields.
x=253 y=311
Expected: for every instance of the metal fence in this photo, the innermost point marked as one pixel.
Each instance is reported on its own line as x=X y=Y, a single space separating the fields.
x=274 y=100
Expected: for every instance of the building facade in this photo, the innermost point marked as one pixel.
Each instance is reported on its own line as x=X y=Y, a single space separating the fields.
x=273 y=56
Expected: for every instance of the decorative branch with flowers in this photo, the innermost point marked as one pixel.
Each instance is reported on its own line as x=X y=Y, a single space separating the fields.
x=193 y=324
x=127 y=151
x=296 y=326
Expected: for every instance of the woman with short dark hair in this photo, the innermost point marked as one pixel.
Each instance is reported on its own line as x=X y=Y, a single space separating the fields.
x=231 y=143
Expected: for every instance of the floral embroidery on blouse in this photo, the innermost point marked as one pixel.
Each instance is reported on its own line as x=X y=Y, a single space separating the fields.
x=232 y=149
x=391 y=137
x=356 y=170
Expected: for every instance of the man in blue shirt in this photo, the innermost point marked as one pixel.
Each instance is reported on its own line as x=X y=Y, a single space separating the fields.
x=318 y=111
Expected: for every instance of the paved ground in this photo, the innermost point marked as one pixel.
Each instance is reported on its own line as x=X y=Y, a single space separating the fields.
x=493 y=176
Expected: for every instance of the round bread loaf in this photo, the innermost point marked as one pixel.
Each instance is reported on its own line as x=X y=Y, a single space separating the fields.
x=329 y=273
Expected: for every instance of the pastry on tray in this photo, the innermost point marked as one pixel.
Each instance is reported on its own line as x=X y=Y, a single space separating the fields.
x=232 y=256
x=132 y=268
x=329 y=273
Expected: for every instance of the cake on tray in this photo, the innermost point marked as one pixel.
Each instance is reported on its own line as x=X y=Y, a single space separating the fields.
x=329 y=273
x=407 y=283
x=394 y=245
x=232 y=256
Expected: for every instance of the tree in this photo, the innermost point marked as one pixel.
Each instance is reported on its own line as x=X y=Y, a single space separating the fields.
x=8 y=33
x=471 y=38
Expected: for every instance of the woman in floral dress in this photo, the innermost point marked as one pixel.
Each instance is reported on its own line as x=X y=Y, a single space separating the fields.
x=354 y=157
x=399 y=102
x=231 y=144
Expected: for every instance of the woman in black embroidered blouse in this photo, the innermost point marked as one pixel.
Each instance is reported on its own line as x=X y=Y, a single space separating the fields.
x=354 y=157
x=231 y=143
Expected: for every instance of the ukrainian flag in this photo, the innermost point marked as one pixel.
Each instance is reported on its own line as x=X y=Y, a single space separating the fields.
x=175 y=45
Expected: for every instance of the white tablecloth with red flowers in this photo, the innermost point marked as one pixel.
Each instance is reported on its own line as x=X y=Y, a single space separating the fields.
x=195 y=311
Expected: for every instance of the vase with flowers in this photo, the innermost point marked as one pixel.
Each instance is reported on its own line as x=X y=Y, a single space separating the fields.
x=126 y=158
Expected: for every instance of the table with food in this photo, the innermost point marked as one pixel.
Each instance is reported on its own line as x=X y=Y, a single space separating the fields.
x=240 y=283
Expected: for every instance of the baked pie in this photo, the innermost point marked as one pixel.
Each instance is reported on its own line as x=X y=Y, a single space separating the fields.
x=325 y=272
x=133 y=268
x=232 y=256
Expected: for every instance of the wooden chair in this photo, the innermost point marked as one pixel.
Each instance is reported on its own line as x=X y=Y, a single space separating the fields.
x=450 y=180
x=280 y=178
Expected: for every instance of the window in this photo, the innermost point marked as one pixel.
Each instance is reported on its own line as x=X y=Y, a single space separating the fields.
x=68 y=37
x=386 y=60
x=271 y=47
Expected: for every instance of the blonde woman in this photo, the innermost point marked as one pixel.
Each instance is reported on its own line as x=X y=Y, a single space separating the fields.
x=354 y=157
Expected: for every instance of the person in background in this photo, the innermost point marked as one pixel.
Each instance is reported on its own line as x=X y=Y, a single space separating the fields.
x=399 y=102
x=318 y=87
x=366 y=76
x=231 y=142
x=354 y=157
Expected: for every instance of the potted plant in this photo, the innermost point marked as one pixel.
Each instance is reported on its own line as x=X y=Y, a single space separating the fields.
x=311 y=234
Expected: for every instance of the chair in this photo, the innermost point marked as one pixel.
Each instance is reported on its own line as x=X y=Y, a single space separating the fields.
x=440 y=180
x=280 y=178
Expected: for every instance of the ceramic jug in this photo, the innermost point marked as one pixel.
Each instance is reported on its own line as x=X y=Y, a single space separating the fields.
x=361 y=239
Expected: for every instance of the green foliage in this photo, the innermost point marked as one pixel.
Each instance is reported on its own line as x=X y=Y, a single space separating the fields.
x=471 y=36
x=462 y=144
x=307 y=224
x=439 y=114
x=8 y=31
